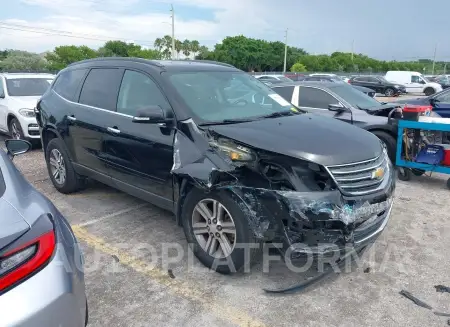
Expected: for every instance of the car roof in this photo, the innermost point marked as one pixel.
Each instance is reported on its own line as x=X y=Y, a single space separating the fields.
x=163 y=65
x=27 y=75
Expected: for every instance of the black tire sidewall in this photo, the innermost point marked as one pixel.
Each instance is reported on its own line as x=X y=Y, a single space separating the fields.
x=429 y=91
x=244 y=234
x=17 y=123
x=390 y=142
x=72 y=182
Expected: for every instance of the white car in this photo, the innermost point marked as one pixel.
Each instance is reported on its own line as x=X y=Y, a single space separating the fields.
x=19 y=94
x=414 y=82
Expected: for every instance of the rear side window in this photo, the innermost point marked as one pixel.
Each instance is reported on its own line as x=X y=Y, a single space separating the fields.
x=67 y=83
x=2 y=91
x=315 y=98
x=101 y=87
x=138 y=91
x=285 y=92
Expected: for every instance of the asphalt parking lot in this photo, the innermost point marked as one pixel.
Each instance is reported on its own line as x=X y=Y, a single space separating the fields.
x=128 y=284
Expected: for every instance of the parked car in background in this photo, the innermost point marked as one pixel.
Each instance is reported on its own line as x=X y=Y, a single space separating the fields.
x=273 y=79
x=379 y=84
x=179 y=135
x=19 y=94
x=414 y=82
x=341 y=101
x=443 y=80
x=41 y=265
x=326 y=78
x=439 y=101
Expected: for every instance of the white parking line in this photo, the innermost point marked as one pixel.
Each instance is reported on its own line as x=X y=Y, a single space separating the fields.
x=112 y=215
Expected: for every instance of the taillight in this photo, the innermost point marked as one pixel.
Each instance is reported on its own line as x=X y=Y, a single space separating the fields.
x=23 y=261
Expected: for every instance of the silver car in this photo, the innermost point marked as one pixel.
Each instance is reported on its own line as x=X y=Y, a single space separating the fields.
x=41 y=265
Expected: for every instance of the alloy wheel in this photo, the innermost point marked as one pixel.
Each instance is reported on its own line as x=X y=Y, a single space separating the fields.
x=214 y=228
x=15 y=131
x=57 y=166
x=389 y=92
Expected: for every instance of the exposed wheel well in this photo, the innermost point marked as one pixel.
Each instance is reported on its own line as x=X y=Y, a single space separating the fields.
x=429 y=90
x=47 y=135
x=10 y=117
x=391 y=133
x=184 y=186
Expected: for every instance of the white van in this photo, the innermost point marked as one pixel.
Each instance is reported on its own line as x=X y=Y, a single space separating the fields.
x=414 y=82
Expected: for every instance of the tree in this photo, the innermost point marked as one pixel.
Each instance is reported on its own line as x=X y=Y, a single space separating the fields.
x=178 y=47
x=298 y=68
x=203 y=53
x=145 y=53
x=67 y=54
x=195 y=48
x=22 y=60
x=186 y=46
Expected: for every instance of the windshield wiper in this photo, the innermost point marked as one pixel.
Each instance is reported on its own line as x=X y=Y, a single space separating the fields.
x=280 y=114
x=227 y=121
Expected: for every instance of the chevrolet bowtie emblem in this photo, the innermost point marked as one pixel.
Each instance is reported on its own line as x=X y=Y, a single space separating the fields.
x=378 y=173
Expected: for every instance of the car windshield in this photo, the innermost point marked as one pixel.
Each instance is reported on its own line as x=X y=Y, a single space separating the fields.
x=382 y=79
x=22 y=87
x=355 y=97
x=227 y=95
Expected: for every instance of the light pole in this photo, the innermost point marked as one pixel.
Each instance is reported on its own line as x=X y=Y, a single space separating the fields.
x=173 y=31
x=285 y=50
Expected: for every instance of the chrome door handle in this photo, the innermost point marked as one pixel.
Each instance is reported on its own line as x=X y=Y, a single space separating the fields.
x=113 y=130
x=72 y=118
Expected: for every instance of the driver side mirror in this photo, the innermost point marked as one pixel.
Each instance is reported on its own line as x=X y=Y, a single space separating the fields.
x=16 y=147
x=151 y=115
x=336 y=107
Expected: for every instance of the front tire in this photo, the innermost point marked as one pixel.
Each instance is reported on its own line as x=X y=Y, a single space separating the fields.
x=60 y=168
x=218 y=232
x=389 y=92
x=389 y=142
x=15 y=130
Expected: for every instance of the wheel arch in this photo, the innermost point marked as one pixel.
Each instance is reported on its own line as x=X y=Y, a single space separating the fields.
x=10 y=117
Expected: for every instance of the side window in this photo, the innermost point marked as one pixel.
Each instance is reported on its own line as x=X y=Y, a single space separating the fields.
x=67 y=83
x=315 y=98
x=415 y=79
x=138 y=91
x=2 y=91
x=286 y=92
x=101 y=87
x=372 y=80
x=444 y=98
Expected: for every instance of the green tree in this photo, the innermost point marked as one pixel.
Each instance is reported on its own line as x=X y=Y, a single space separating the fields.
x=67 y=54
x=178 y=47
x=186 y=47
x=22 y=60
x=195 y=48
x=298 y=68
x=145 y=53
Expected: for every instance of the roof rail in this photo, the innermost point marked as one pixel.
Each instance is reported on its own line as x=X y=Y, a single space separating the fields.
x=147 y=61
x=211 y=62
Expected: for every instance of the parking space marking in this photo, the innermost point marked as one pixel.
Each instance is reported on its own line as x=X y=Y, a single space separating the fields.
x=112 y=215
x=188 y=290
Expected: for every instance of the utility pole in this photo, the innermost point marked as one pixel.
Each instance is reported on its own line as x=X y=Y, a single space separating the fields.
x=285 y=50
x=173 y=31
x=445 y=69
x=353 y=45
x=434 y=59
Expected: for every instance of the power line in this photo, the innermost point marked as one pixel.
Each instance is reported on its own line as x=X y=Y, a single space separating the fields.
x=69 y=34
x=34 y=29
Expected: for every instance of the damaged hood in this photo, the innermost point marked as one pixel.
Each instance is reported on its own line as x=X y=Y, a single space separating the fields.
x=321 y=140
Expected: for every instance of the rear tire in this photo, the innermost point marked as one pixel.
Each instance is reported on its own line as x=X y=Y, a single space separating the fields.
x=389 y=142
x=429 y=91
x=60 y=168
x=204 y=245
x=389 y=92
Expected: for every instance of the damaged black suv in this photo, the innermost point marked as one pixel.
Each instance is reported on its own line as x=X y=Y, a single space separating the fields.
x=236 y=163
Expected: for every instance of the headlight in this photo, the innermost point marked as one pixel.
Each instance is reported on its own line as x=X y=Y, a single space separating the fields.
x=27 y=112
x=234 y=151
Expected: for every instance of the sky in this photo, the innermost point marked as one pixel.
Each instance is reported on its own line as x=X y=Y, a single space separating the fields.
x=400 y=29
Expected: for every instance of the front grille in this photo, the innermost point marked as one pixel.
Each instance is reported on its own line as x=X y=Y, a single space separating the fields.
x=361 y=177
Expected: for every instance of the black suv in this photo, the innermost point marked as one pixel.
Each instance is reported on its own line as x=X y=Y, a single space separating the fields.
x=379 y=84
x=194 y=138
